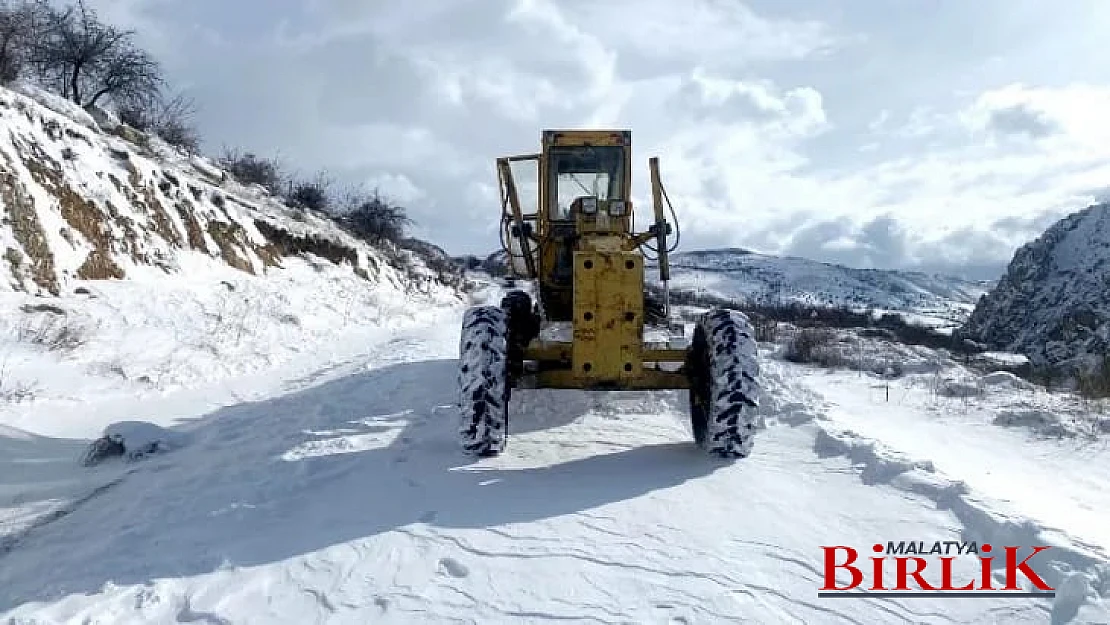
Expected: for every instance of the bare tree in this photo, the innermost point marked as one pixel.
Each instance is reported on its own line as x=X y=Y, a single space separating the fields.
x=16 y=35
x=86 y=60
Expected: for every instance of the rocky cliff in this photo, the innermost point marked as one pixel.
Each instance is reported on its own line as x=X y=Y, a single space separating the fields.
x=1053 y=303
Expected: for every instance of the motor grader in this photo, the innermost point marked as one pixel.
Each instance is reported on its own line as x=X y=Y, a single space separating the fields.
x=587 y=323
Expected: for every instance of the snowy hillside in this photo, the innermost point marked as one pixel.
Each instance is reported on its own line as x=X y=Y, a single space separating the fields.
x=89 y=201
x=737 y=274
x=1053 y=303
x=129 y=267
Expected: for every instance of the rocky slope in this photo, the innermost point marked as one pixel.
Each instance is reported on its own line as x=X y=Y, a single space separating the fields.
x=1053 y=303
x=90 y=199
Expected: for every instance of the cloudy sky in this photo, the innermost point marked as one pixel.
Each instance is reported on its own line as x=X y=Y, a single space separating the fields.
x=927 y=134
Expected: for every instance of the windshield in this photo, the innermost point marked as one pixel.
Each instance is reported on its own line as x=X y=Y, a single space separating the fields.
x=578 y=171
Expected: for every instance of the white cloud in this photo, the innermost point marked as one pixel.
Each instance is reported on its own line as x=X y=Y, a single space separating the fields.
x=396 y=186
x=846 y=132
x=1071 y=116
x=701 y=30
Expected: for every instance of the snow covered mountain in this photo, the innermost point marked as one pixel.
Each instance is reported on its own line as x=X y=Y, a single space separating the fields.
x=738 y=274
x=1053 y=303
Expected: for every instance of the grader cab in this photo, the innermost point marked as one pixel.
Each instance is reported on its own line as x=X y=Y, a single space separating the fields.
x=593 y=322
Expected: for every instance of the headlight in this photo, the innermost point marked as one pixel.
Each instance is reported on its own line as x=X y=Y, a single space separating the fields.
x=617 y=208
x=589 y=205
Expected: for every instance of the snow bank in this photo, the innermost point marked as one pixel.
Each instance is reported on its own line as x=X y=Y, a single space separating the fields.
x=960 y=388
x=1081 y=574
x=1042 y=422
x=146 y=338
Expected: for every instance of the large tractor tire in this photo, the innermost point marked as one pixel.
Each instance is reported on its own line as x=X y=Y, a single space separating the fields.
x=723 y=366
x=523 y=325
x=483 y=380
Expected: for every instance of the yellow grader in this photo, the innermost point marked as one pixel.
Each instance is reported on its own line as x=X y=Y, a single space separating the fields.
x=588 y=321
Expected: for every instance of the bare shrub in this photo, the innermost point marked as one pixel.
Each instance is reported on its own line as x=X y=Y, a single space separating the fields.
x=16 y=37
x=314 y=194
x=811 y=345
x=1095 y=384
x=374 y=218
x=766 y=328
x=54 y=332
x=170 y=118
x=248 y=168
x=13 y=390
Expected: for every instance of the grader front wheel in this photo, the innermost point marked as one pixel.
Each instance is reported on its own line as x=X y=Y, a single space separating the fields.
x=483 y=380
x=723 y=366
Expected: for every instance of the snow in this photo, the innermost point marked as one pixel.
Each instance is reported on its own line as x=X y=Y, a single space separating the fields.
x=144 y=338
x=1005 y=358
x=145 y=208
x=1005 y=378
x=1022 y=472
x=341 y=496
x=55 y=103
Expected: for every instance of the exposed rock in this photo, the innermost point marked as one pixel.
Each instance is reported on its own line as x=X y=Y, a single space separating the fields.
x=1053 y=304
x=87 y=198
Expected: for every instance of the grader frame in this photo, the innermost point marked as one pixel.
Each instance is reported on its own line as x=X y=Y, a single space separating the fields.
x=585 y=324
x=604 y=300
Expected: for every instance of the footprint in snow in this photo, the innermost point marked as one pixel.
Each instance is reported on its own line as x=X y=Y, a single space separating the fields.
x=453 y=567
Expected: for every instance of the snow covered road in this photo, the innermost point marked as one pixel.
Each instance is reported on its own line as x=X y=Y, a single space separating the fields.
x=346 y=500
